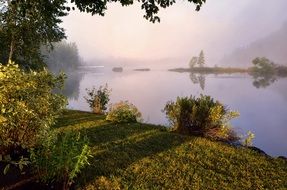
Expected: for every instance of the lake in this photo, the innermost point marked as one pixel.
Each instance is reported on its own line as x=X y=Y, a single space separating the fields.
x=263 y=109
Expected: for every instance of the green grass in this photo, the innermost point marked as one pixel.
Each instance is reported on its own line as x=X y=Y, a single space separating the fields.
x=142 y=156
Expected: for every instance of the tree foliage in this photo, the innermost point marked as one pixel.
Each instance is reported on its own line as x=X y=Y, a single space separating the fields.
x=201 y=59
x=27 y=107
x=193 y=62
x=25 y=26
x=151 y=7
x=197 y=61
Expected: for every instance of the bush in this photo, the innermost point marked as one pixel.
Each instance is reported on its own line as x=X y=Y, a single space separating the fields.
x=27 y=107
x=123 y=112
x=201 y=116
x=62 y=159
x=262 y=67
x=98 y=99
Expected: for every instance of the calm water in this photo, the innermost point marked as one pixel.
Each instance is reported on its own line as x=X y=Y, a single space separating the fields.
x=262 y=110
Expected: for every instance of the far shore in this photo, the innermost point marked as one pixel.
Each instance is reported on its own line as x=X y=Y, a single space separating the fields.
x=211 y=70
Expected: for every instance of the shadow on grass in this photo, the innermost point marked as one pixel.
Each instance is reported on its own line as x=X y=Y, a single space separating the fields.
x=116 y=147
x=73 y=117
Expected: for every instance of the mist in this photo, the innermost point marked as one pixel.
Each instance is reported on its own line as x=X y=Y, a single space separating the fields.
x=220 y=28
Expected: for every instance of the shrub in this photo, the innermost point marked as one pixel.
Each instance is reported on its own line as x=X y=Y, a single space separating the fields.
x=27 y=107
x=247 y=141
x=123 y=112
x=62 y=159
x=201 y=116
x=98 y=99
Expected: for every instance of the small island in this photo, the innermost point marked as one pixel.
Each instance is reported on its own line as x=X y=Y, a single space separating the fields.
x=197 y=65
x=143 y=69
x=264 y=71
x=117 y=69
x=212 y=70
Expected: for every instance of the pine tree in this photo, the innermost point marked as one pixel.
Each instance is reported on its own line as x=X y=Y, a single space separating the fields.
x=201 y=59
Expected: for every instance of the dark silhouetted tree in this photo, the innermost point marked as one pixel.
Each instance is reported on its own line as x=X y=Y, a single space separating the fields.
x=150 y=7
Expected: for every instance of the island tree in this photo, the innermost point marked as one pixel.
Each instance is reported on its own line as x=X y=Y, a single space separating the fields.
x=201 y=59
x=193 y=62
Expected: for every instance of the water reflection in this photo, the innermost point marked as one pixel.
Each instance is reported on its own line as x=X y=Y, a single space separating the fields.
x=263 y=81
x=198 y=79
x=259 y=81
x=72 y=85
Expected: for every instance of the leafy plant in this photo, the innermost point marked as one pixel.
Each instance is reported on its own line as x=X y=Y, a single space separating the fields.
x=27 y=108
x=248 y=139
x=21 y=163
x=98 y=99
x=201 y=116
x=63 y=160
x=123 y=112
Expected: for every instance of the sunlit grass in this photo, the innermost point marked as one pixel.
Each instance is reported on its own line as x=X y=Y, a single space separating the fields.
x=142 y=156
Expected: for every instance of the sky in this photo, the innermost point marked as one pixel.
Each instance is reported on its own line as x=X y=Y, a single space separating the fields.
x=218 y=28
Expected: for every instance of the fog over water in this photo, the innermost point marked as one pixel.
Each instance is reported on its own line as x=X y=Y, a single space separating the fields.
x=231 y=33
x=220 y=28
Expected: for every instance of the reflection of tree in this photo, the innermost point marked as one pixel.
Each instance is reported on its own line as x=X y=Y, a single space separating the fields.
x=201 y=79
x=198 y=78
x=193 y=77
x=264 y=81
x=72 y=85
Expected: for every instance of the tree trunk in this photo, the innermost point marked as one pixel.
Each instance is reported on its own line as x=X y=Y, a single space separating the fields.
x=11 y=49
x=11 y=21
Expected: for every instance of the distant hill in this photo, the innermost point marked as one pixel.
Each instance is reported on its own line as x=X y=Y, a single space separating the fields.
x=274 y=47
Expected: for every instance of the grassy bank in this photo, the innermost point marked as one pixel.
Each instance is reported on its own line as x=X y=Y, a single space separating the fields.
x=142 y=156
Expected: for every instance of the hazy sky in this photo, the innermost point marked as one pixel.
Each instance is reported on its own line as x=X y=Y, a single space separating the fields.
x=219 y=28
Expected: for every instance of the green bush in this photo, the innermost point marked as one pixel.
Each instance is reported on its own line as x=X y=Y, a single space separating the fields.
x=61 y=159
x=27 y=107
x=98 y=99
x=201 y=116
x=123 y=112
